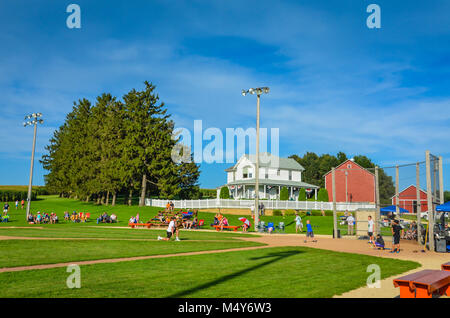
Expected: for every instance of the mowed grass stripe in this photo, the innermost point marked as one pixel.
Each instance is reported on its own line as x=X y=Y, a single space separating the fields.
x=34 y=252
x=267 y=273
x=63 y=230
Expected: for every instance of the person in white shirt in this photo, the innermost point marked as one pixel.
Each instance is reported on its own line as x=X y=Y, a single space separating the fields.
x=370 y=228
x=298 y=223
x=170 y=230
x=350 y=224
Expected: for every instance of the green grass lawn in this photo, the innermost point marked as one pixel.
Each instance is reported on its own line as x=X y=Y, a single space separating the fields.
x=267 y=273
x=52 y=203
x=35 y=252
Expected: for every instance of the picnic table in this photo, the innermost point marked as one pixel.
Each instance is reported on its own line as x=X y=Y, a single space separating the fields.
x=424 y=284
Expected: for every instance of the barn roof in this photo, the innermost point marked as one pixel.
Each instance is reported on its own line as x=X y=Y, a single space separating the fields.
x=362 y=168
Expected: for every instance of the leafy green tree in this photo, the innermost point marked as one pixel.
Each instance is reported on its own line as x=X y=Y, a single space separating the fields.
x=224 y=193
x=284 y=194
x=322 y=195
x=302 y=194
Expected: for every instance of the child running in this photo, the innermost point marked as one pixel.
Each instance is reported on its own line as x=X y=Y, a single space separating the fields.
x=309 y=231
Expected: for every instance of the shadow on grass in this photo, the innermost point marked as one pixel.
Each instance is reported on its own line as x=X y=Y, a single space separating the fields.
x=273 y=258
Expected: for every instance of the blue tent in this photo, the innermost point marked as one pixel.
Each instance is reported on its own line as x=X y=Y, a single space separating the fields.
x=443 y=207
x=391 y=208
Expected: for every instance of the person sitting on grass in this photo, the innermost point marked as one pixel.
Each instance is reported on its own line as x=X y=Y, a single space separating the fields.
x=309 y=231
x=5 y=218
x=379 y=243
x=66 y=216
x=31 y=218
x=132 y=220
x=113 y=218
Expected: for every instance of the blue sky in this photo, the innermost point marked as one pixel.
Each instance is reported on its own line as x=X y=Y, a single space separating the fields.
x=335 y=84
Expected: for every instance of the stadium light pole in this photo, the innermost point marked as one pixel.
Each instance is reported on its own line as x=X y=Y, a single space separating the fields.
x=258 y=91
x=32 y=119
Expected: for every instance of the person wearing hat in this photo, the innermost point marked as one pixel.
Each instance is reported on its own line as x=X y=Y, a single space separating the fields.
x=38 y=217
x=396 y=234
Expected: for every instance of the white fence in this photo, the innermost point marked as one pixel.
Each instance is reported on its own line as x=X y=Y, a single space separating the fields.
x=268 y=204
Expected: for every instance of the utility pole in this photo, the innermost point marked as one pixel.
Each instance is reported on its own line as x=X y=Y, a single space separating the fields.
x=334 y=202
x=397 y=195
x=441 y=182
x=430 y=202
x=419 y=204
x=35 y=119
x=258 y=91
x=377 y=202
x=257 y=164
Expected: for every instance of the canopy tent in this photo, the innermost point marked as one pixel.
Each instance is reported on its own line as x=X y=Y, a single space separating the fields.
x=392 y=208
x=443 y=207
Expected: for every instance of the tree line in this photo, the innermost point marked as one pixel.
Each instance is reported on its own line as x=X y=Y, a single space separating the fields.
x=117 y=147
x=317 y=166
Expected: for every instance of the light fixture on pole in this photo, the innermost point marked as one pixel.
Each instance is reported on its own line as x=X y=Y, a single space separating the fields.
x=258 y=91
x=32 y=119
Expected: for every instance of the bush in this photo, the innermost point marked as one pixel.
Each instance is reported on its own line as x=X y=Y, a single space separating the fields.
x=277 y=213
x=284 y=194
x=302 y=195
x=323 y=195
x=289 y=212
x=224 y=193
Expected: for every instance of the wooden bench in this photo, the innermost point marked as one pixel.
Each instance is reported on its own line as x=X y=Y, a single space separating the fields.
x=133 y=225
x=234 y=227
x=446 y=266
x=424 y=284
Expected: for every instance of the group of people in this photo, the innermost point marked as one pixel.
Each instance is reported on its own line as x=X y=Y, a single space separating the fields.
x=21 y=202
x=105 y=218
x=170 y=206
x=378 y=242
x=44 y=217
x=76 y=217
x=220 y=220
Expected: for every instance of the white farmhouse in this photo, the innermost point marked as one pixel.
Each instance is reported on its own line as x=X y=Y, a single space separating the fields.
x=274 y=173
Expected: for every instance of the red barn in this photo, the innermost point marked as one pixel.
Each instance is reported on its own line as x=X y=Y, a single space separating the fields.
x=350 y=177
x=407 y=199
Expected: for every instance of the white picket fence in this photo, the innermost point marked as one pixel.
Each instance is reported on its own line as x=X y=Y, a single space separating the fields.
x=268 y=204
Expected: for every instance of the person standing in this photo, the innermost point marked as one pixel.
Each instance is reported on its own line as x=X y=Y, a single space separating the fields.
x=6 y=208
x=370 y=227
x=17 y=204
x=396 y=234
x=298 y=223
x=350 y=224
x=22 y=203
